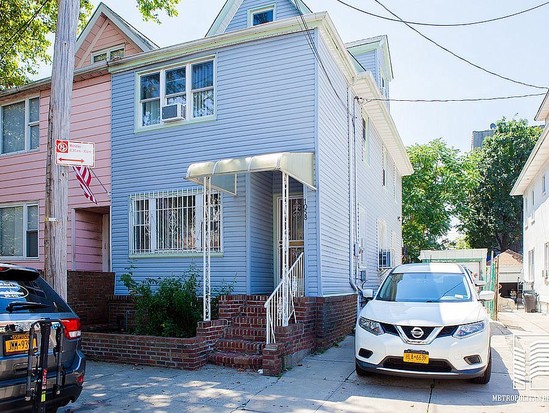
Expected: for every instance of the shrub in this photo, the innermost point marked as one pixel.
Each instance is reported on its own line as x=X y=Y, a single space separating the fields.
x=166 y=306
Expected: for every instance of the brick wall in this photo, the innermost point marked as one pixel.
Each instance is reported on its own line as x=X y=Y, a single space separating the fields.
x=87 y=295
x=185 y=353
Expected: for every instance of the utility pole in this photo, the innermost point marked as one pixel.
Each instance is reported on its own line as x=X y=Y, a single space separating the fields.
x=59 y=114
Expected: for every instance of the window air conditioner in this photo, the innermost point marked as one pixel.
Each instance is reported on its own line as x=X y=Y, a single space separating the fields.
x=173 y=112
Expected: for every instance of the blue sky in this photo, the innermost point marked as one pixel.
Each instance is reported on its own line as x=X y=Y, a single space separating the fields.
x=515 y=47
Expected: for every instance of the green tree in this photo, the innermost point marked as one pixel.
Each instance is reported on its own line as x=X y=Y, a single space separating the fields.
x=431 y=196
x=493 y=218
x=26 y=24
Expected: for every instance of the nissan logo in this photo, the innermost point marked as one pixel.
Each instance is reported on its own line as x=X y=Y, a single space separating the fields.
x=417 y=332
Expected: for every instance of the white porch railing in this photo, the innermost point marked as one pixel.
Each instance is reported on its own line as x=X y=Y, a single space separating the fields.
x=280 y=305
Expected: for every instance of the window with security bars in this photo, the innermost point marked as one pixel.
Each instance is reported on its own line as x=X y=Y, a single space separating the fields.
x=171 y=222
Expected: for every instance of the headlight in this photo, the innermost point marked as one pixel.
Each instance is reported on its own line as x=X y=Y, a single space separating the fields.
x=370 y=326
x=467 y=330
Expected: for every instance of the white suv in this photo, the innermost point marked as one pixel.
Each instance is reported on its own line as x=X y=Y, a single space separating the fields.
x=426 y=320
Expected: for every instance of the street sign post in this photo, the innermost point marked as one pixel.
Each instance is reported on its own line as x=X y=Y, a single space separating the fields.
x=71 y=153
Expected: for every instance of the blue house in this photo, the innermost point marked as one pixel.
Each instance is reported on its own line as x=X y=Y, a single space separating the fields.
x=265 y=155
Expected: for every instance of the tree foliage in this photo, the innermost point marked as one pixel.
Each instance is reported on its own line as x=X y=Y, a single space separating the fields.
x=26 y=24
x=492 y=217
x=431 y=196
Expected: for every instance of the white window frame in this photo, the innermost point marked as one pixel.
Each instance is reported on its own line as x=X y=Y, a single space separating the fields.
x=531 y=265
x=25 y=232
x=28 y=126
x=544 y=183
x=108 y=52
x=189 y=103
x=152 y=226
x=261 y=9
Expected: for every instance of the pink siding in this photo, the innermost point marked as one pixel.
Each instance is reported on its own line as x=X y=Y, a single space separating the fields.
x=22 y=176
x=87 y=250
x=103 y=35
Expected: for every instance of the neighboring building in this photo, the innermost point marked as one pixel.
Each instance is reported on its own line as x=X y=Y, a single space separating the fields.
x=23 y=135
x=472 y=259
x=532 y=186
x=509 y=270
x=268 y=93
x=479 y=136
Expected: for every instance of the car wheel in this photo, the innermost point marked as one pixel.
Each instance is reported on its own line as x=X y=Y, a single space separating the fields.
x=360 y=371
x=485 y=378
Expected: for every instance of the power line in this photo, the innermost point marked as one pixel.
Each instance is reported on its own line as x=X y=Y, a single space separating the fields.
x=458 y=56
x=486 y=99
x=21 y=28
x=444 y=24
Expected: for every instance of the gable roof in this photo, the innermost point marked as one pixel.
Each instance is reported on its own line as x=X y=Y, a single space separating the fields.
x=230 y=8
x=538 y=157
x=142 y=41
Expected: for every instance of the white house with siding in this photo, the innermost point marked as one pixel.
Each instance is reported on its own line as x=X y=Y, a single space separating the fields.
x=532 y=186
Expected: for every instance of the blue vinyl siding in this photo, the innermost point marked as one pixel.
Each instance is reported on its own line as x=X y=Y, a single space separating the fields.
x=333 y=177
x=368 y=62
x=283 y=10
x=265 y=92
x=261 y=237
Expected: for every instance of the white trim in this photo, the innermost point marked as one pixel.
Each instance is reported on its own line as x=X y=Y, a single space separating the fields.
x=262 y=9
x=28 y=125
x=25 y=206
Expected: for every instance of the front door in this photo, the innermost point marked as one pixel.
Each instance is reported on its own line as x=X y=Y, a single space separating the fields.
x=296 y=229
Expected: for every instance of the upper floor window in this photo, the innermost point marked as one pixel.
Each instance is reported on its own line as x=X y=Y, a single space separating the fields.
x=189 y=88
x=384 y=165
x=108 y=54
x=20 y=126
x=261 y=16
x=171 y=222
x=365 y=141
x=19 y=231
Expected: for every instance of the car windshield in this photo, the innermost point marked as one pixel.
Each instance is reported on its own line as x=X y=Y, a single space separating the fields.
x=424 y=287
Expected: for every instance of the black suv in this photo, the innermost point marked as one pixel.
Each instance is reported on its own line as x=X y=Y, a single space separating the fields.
x=29 y=310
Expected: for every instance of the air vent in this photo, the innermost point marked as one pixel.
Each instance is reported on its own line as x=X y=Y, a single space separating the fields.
x=173 y=112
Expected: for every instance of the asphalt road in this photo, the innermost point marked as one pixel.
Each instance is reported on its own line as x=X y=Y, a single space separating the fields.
x=322 y=383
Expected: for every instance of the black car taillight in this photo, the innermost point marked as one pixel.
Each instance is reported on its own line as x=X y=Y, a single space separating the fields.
x=72 y=328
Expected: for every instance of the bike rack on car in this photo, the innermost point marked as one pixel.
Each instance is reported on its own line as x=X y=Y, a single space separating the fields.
x=37 y=367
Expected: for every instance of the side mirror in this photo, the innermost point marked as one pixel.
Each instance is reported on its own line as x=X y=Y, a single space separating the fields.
x=368 y=293
x=486 y=295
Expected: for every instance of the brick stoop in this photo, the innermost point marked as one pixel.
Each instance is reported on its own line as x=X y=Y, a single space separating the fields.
x=244 y=340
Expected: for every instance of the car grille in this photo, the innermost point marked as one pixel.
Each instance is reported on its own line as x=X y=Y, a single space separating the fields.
x=389 y=329
x=447 y=331
x=408 y=331
x=434 y=366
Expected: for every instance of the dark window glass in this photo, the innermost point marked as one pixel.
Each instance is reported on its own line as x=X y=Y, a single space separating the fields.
x=150 y=86
x=263 y=17
x=37 y=291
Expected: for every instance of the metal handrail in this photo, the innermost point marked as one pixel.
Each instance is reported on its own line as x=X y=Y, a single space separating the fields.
x=279 y=312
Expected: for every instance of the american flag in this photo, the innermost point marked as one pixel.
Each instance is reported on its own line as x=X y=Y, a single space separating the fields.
x=84 y=176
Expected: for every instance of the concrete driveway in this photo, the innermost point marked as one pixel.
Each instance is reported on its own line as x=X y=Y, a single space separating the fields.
x=323 y=383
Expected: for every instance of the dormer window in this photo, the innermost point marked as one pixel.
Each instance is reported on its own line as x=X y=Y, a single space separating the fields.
x=261 y=16
x=109 y=54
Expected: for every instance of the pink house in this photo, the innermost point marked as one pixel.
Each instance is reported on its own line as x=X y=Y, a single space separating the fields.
x=23 y=134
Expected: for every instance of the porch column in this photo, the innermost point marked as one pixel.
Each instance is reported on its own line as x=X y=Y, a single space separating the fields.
x=206 y=228
x=285 y=248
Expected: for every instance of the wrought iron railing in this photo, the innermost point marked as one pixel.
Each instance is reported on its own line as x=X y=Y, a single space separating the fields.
x=280 y=305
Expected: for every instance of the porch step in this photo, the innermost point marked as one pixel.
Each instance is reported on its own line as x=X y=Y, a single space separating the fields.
x=236 y=360
x=247 y=333
x=250 y=321
x=240 y=346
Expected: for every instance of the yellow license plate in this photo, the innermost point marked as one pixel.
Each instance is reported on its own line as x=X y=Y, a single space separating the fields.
x=421 y=357
x=15 y=344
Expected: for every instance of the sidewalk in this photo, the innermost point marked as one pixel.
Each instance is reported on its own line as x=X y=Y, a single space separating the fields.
x=323 y=383
x=521 y=321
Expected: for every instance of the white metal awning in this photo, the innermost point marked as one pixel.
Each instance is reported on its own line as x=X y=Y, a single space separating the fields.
x=298 y=165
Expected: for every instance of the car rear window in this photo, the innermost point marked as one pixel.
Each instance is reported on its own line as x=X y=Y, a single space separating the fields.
x=425 y=288
x=37 y=291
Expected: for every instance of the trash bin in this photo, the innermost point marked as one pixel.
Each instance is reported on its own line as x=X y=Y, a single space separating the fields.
x=530 y=301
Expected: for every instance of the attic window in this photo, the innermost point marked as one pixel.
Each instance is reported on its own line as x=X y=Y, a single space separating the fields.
x=109 y=54
x=261 y=16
